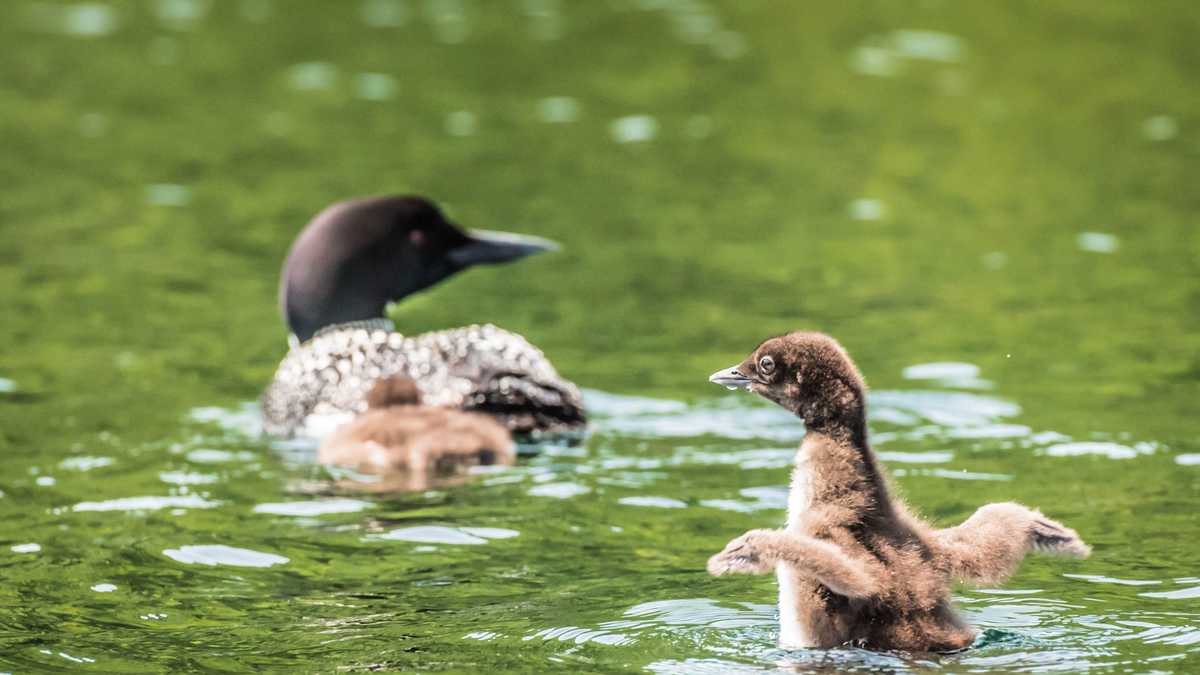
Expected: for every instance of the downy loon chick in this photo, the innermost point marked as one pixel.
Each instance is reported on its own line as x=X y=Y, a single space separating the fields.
x=398 y=434
x=853 y=565
x=345 y=266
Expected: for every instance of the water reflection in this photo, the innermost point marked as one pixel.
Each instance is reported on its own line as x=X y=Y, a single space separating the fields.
x=312 y=76
x=642 y=449
x=462 y=123
x=148 y=504
x=84 y=19
x=558 y=109
x=182 y=14
x=455 y=536
x=634 y=129
x=313 y=508
x=384 y=13
x=374 y=86
x=220 y=554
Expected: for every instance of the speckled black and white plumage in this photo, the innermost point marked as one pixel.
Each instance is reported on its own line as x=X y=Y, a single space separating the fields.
x=481 y=368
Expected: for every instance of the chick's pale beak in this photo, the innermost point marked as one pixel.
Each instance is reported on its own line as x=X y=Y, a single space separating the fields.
x=730 y=378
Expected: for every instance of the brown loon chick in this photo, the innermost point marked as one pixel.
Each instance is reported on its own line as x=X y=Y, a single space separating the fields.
x=853 y=565
x=399 y=435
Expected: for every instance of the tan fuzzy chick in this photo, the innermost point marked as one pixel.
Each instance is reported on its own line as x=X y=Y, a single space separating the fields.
x=397 y=434
x=853 y=565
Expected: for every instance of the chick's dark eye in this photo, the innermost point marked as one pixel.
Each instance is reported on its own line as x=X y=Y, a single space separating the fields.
x=766 y=364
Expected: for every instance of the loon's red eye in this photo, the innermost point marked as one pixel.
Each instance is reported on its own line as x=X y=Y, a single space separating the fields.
x=417 y=238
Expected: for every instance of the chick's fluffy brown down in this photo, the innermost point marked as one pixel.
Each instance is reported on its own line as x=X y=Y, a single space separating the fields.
x=397 y=434
x=853 y=565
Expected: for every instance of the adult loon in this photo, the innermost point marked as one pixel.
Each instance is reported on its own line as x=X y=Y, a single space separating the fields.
x=853 y=565
x=344 y=267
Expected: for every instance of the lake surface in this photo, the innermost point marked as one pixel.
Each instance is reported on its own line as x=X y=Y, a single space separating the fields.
x=993 y=207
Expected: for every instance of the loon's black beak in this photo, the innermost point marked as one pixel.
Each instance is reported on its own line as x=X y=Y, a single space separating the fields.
x=730 y=378
x=486 y=247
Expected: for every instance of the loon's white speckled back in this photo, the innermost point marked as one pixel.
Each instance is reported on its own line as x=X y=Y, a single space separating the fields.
x=478 y=367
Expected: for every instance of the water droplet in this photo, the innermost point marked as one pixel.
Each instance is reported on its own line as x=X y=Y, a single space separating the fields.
x=26 y=548
x=384 y=13
x=929 y=45
x=168 y=194
x=558 y=109
x=867 y=209
x=374 y=86
x=461 y=123
x=1160 y=128
x=104 y=588
x=876 y=61
x=449 y=20
x=545 y=19
x=89 y=20
x=1097 y=242
x=634 y=129
x=312 y=76
x=85 y=19
x=182 y=14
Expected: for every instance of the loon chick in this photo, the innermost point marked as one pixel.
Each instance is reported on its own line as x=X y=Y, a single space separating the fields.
x=345 y=266
x=398 y=434
x=853 y=565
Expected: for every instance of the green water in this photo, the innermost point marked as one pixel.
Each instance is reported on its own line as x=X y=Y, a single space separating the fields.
x=1006 y=186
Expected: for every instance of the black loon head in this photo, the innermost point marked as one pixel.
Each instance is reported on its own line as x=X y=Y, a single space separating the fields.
x=359 y=254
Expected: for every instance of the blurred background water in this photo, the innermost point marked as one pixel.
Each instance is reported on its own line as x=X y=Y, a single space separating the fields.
x=992 y=205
